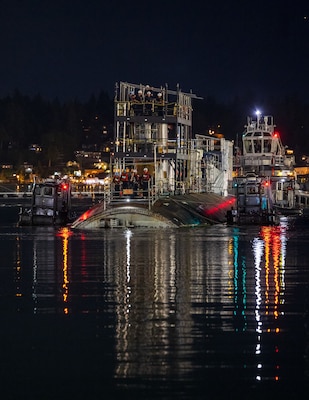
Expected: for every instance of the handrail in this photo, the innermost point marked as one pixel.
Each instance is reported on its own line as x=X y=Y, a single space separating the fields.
x=144 y=108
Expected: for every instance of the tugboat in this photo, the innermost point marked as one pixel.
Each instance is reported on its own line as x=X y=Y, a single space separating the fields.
x=254 y=204
x=161 y=174
x=50 y=204
x=264 y=178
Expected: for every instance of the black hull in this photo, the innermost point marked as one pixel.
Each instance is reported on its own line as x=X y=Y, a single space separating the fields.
x=43 y=220
x=285 y=211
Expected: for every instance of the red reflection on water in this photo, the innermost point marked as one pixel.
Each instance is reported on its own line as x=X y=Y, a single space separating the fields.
x=83 y=256
x=274 y=263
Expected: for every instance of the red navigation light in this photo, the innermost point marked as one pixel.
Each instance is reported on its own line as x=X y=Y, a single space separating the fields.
x=64 y=186
x=84 y=216
x=266 y=183
x=276 y=135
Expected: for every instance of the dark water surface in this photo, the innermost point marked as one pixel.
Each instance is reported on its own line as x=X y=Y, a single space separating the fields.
x=206 y=313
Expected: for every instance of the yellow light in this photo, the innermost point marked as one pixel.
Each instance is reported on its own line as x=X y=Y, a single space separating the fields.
x=65 y=233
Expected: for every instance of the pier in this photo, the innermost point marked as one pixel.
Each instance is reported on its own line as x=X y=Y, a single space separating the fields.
x=79 y=191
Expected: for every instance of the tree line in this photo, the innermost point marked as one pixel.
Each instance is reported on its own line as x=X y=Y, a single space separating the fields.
x=61 y=128
x=58 y=129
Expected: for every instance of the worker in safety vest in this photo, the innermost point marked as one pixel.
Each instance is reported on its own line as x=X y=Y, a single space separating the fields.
x=145 y=178
x=149 y=102
x=159 y=103
x=117 y=183
x=134 y=181
x=125 y=178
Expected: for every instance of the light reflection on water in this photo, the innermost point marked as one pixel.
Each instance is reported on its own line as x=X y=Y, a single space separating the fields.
x=186 y=310
x=269 y=253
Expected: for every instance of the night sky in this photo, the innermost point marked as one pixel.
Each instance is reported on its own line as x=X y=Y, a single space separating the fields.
x=72 y=48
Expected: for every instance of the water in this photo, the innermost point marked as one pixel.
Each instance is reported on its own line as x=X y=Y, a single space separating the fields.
x=206 y=313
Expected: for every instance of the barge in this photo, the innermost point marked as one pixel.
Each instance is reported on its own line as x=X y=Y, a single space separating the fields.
x=158 y=166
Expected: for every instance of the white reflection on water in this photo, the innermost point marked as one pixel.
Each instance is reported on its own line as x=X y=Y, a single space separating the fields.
x=181 y=301
x=258 y=246
x=128 y=235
